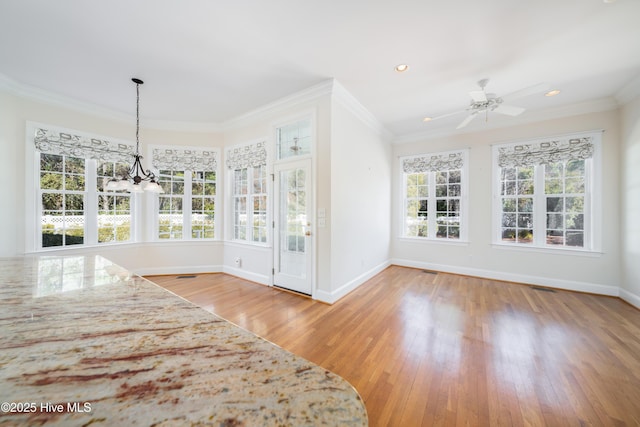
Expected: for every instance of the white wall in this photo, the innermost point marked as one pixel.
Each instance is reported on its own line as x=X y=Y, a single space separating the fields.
x=360 y=200
x=630 y=187
x=257 y=260
x=599 y=273
x=148 y=257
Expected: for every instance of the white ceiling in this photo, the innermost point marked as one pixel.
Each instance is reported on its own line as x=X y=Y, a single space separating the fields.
x=207 y=61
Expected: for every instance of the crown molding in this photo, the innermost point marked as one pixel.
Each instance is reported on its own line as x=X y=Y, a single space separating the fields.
x=629 y=92
x=50 y=98
x=593 y=106
x=306 y=95
x=347 y=100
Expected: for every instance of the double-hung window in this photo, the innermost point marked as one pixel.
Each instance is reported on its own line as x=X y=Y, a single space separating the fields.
x=247 y=166
x=186 y=209
x=545 y=192
x=434 y=196
x=73 y=207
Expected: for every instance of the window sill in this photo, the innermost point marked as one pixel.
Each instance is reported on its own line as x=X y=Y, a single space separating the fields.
x=547 y=250
x=244 y=243
x=457 y=242
x=115 y=246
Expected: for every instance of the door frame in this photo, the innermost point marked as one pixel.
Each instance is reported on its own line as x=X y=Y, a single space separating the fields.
x=310 y=241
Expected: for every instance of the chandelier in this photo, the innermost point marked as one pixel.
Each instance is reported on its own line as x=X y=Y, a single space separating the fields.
x=136 y=179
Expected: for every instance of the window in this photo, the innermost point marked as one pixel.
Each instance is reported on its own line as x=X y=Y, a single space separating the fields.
x=73 y=208
x=294 y=139
x=186 y=209
x=114 y=209
x=170 y=203
x=248 y=176
x=434 y=196
x=545 y=192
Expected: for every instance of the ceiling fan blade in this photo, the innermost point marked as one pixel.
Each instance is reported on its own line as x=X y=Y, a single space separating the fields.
x=531 y=90
x=509 y=110
x=478 y=96
x=467 y=120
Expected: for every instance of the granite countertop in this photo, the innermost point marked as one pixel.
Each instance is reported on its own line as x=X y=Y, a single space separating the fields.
x=85 y=342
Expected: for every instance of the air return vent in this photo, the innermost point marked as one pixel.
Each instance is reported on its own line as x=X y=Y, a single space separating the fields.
x=538 y=288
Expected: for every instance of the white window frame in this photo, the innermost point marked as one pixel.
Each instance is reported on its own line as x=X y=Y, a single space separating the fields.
x=250 y=195
x=432 y=226
x=186 y=199
x=33 y=205
x=592 y=200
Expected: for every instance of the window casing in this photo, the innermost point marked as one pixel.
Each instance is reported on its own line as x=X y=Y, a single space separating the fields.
x=545 y=192
x=434 y=196
x=187 y=208
x=72 y=207
x=247 y=165
x=250 y=204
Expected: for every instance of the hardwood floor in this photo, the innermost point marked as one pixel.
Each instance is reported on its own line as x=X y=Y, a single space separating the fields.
x=441 y=349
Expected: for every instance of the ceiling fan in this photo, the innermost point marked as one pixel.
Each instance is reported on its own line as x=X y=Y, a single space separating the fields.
x=483 y=102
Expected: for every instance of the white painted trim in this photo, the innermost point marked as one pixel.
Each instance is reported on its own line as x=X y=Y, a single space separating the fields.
x=630 y=297
x=347 y=100
x=332 y=297
x=629 y=92
x=247 y=275
x=570 y=285
x=195 y=269
x=306 y=95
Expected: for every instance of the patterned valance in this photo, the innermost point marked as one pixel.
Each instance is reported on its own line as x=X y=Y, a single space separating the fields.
x=66 y=144
x=247 y=156
x=433 y=162
x=545 y=152
x=183 y=159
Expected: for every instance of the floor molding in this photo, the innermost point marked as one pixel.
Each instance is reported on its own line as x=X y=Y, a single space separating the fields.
x=570 y=285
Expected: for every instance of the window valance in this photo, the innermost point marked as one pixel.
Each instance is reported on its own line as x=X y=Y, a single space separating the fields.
x=61 y=143
x=247 y=156
x=184 y=159
x=433 y=162
x=539 y=153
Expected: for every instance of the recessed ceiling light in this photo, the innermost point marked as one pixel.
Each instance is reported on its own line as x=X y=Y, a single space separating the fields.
x=553 y=92
x=401 y=68
x=427 y=119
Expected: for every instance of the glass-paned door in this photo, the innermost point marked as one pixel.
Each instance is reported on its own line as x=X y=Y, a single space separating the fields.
x=293 y=249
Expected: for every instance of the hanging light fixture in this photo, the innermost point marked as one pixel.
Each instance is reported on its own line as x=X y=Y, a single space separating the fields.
x=136 y=178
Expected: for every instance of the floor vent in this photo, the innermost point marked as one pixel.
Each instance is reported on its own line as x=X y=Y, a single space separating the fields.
x=430 y=271
x=187 y=277
x=537 y=288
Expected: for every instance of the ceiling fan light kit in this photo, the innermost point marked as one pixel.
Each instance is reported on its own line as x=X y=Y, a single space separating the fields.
x=483 y=102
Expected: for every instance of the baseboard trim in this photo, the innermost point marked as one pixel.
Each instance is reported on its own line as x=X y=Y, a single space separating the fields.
x=332 y=297
x=247 y=275
x=630 y=297
x=195 y=269
x=570 y=285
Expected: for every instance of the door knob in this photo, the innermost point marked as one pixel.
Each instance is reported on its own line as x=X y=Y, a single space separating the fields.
x=307 y=233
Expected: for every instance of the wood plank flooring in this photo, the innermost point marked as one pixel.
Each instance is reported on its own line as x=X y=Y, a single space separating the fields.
x=447 y=350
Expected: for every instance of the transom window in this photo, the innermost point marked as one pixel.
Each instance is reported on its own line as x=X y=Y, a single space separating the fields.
x=294 y=139
x=545 y=192
x=434 y=196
